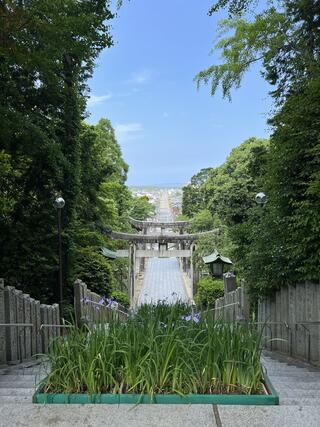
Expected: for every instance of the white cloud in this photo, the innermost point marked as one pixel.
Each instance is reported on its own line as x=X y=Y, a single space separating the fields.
x=140 y=77
x=127 y=131
x=98 y=99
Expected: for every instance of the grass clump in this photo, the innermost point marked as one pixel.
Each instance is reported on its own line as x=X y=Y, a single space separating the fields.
x=160 y=350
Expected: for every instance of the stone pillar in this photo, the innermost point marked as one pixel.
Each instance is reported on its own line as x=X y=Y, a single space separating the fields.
x=144 y=246
x=132 y=272
x=3 y=357
x=10 y=310
x=27 y=329
x=20 y=319
x=229 y=281
x=245 y=301
x=192 y=268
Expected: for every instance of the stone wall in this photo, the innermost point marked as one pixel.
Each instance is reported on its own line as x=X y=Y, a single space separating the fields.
x=24 y=325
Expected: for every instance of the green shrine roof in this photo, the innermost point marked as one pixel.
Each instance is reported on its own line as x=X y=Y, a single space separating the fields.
x=216 y=257
x=108 y=253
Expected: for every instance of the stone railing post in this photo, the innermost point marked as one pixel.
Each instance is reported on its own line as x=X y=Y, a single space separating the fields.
x=80 y=295
x=229 y=282
x=3 y=355
x=245 y=301
x=10 y=314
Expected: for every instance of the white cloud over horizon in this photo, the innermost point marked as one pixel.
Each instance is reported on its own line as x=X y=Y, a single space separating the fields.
x=127 y=131
x=98 y=99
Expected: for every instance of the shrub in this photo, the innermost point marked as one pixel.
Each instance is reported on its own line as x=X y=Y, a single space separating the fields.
x=122 y=298
x=93 y=269
x=209 y=290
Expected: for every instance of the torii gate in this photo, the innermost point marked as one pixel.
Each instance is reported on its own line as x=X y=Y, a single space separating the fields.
x=138 y=247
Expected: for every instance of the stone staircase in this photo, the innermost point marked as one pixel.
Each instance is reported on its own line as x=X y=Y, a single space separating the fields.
x=18 y=382
x=298 y=386
x=297 y=383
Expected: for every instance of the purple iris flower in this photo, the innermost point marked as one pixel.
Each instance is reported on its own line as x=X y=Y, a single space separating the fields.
x=102 y=301
x=196 y=318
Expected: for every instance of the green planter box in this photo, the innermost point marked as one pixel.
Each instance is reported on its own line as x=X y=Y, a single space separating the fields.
x=217 y=399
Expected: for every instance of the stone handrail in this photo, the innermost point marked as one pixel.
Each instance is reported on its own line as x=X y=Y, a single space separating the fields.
x=91 y=308
x=21 y=319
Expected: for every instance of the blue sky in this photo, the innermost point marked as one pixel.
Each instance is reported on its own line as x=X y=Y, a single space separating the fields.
x=167 y=129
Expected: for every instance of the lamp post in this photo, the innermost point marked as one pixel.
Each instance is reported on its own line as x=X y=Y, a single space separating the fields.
x=261 y=199
x=59 y=204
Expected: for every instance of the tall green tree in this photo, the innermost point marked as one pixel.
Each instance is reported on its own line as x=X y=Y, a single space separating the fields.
x=47 y=53
x=282 y=246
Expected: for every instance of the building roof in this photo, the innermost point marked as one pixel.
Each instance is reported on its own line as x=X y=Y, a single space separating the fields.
x=216 y=257
x=108 y=253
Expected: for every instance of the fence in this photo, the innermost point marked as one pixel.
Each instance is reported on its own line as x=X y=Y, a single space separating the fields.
x=234 y=305
x=26 y=326
x=291 y=321
x=90 y=308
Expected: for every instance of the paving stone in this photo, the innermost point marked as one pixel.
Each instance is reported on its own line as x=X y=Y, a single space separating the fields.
x=18 y=384
x=301 y=385
x=296 y=392
x=300 y=401
x=11 y=378
x=16 y=391
x=107 y=415
x=163 y=281
x=269 y=416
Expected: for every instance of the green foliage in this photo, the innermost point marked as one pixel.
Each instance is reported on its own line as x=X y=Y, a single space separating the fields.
x=158 y=351
x=193 y=199
x=122 y=298
x=47 y=55
x=141 y=208
x=286 y=246
x=202 y=221
x=228 y=192
x=208 y=291
x=251 y=42
x=278 y=244
x=286 y=41
x=93 y=269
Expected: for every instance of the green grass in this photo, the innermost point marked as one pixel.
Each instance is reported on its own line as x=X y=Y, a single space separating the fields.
x=158 y=352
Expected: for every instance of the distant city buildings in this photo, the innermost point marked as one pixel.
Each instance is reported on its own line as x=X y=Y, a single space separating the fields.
x=153 y=194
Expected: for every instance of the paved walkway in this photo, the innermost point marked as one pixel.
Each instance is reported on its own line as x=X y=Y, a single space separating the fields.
x=163 y=281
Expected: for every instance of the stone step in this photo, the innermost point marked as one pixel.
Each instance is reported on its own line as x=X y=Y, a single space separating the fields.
x=16 y=391
x=106 y=415
x=269 y=416
x=18 y=384
x=16 y=400
x=297 y=392
x=284 y=366
x=303 y=401
x=294 y=374
x=314 y=385
x=7 y=378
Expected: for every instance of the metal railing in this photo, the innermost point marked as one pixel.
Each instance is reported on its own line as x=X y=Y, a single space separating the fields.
x=290 y=327
x=223 y=306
